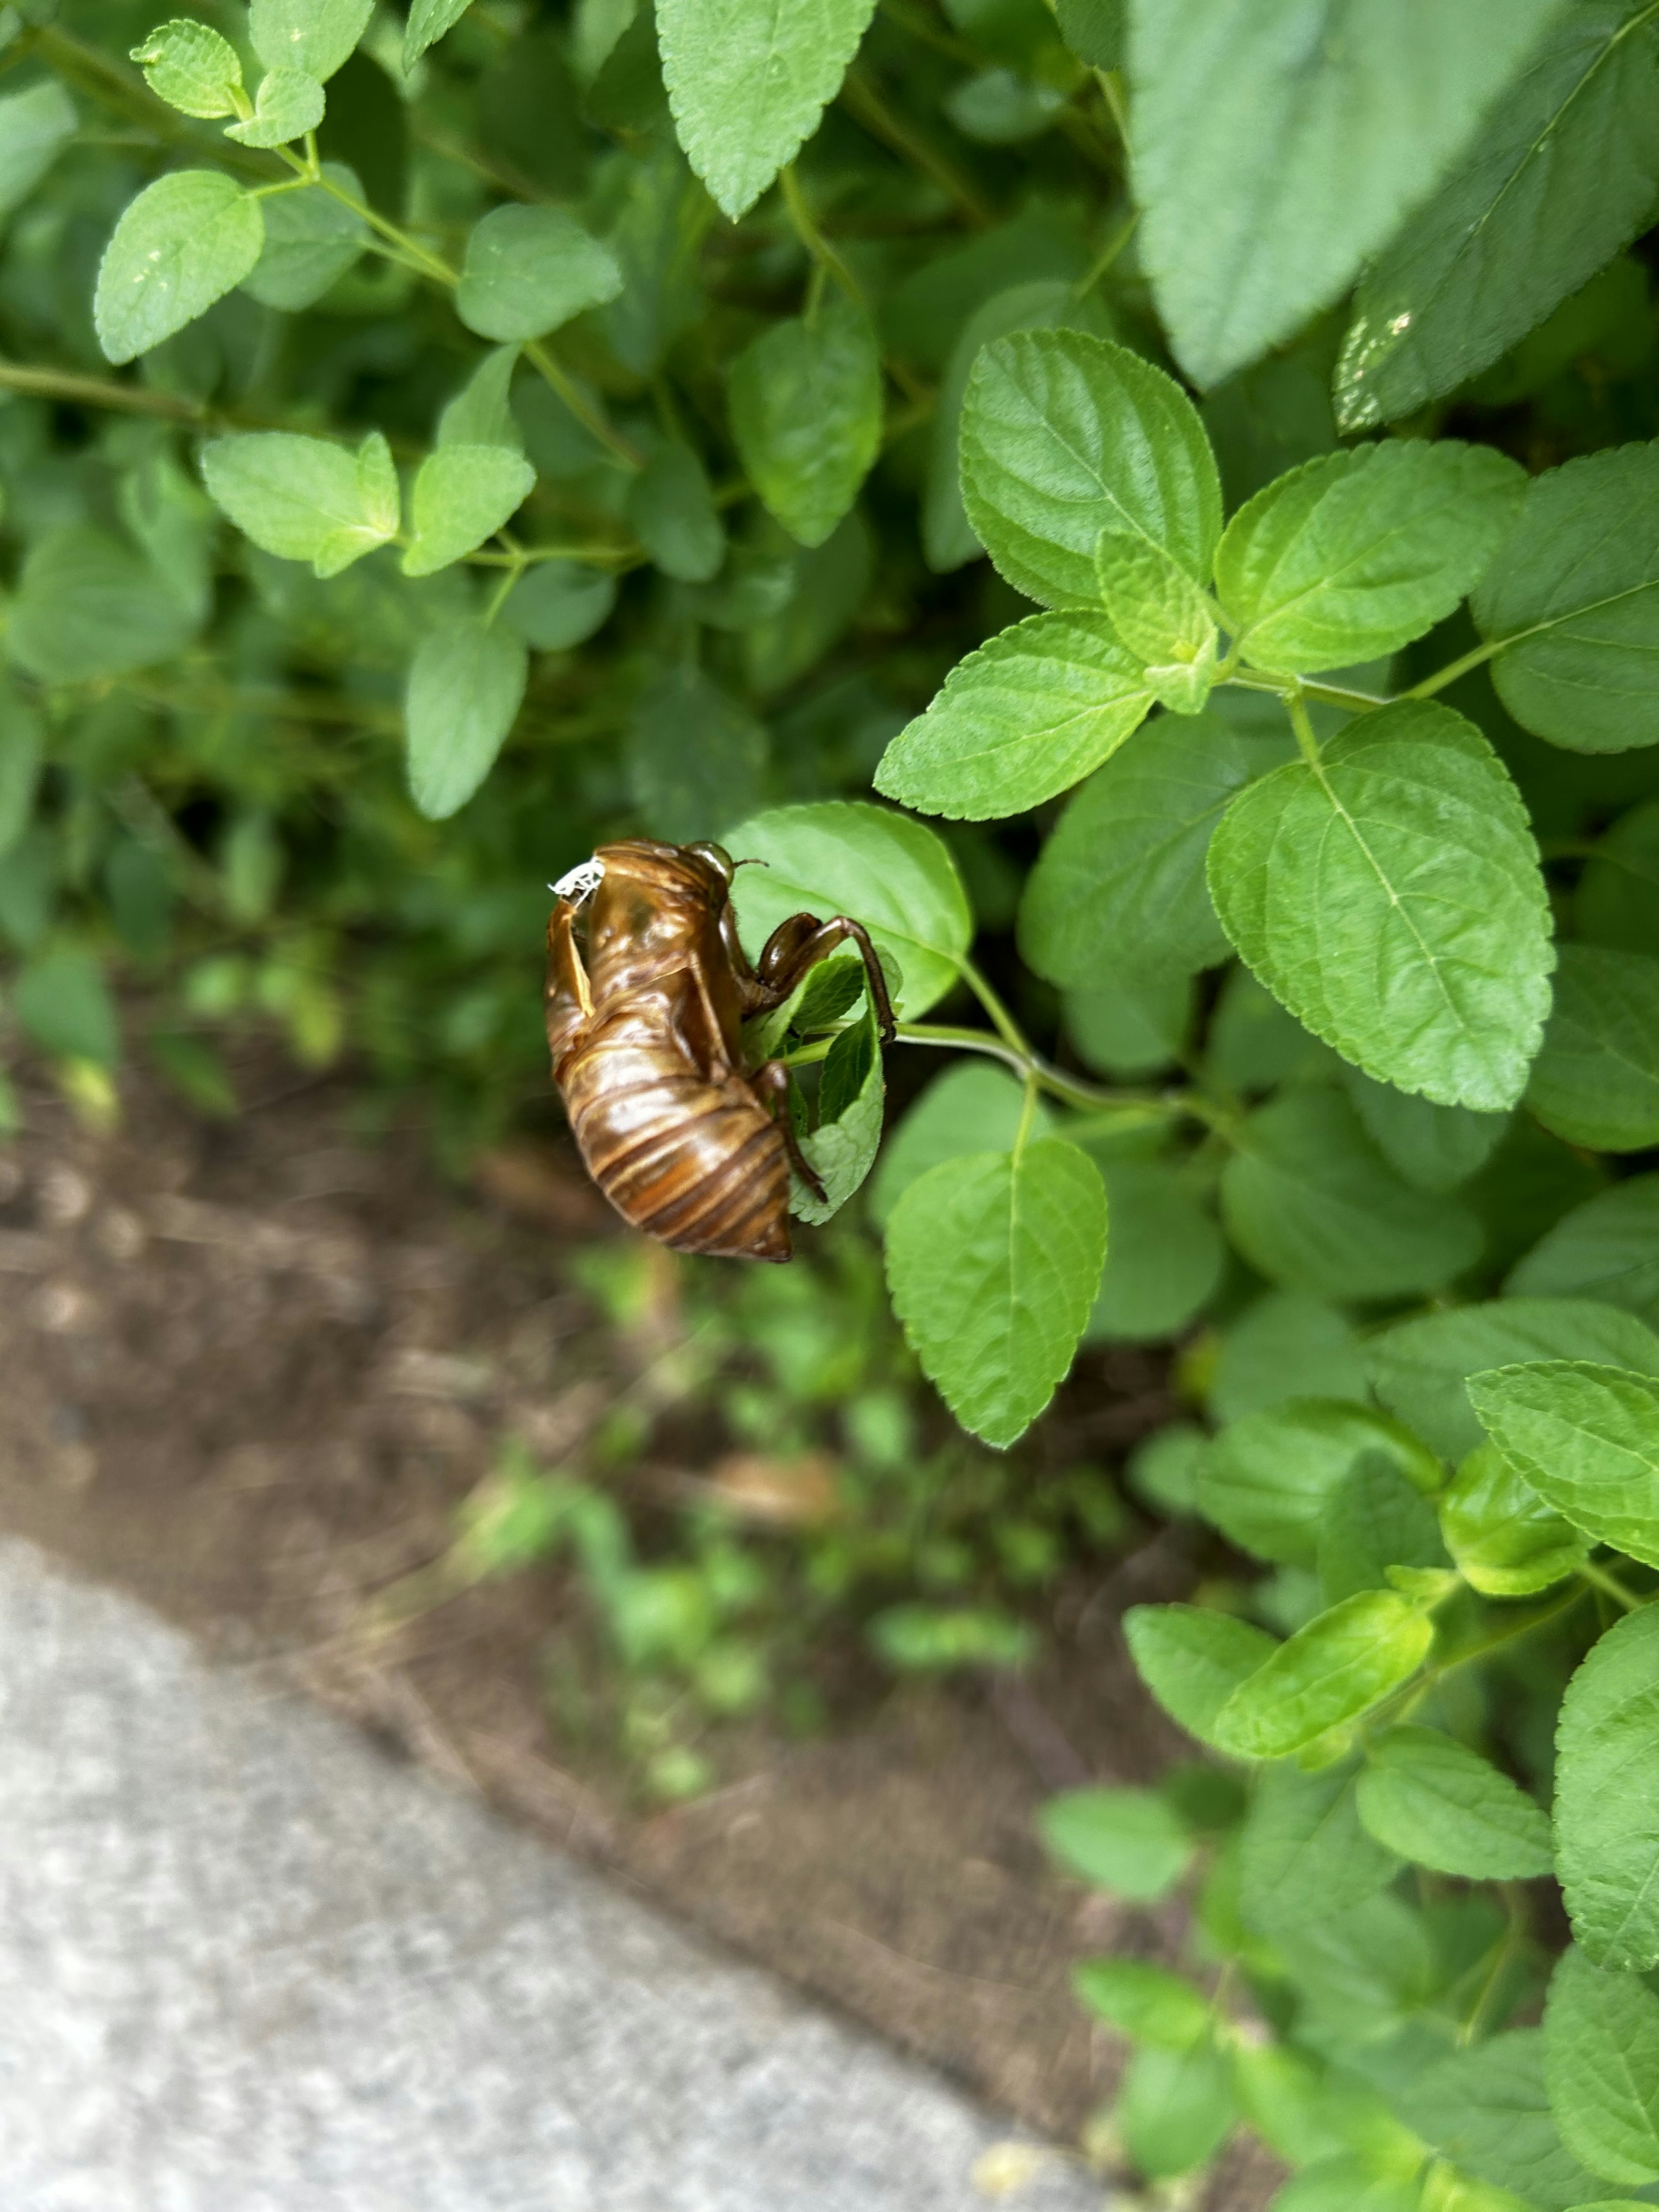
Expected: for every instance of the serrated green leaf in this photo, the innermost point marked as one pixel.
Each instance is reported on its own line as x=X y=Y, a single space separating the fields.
x=191 y=68
x=310 y=240
x=1505 y=1540
x=1595 y=1081
x=1147 y=2003
x=1618 y=897
x=1353 y=555
x=1131 y=1842
x=1094 y=30
x=62 y=1001
x=527 y=271
x=1311 y=1203
x=1563 y=173
x=1026 y=716
x=1607 y=1248
x=1164 y=1259
x=1586 y=1438
x=1601 y=2064
x=1064 y=435
x=87 y=606
x=35 y=127
x=1571 y=604
x=670 y=505
x=972 y=1108
x=1159 y=612
x=316 y=36
x=852 y=1096
x=289 y=103
x=182 y=244
x=805 y=405
x=481 y=413
x=1326 y=1675
x=306 y=499
x=890 y=873
x=1436 y=1147
x=428 y=22
x=463 y=495
x=1274 y=151
x=993 y=1262
x=1374 y=1518
x=465 y=686
x=1486 y=2107
x=1265 y=1479
x=1391 y=897
x=747 y=81
x=1119 y=887
x=695 y=756
x=1438 y=1803
x=1192 y=1659
x=1304 y=1855
x=1607 y=1784
x=1175 y=2107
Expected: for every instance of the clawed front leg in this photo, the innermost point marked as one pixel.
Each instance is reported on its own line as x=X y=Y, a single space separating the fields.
x=770 y=1083
x=800 y=943
x=569 y=1001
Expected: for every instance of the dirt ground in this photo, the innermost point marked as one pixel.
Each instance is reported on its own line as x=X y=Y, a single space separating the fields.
x=249 y=1371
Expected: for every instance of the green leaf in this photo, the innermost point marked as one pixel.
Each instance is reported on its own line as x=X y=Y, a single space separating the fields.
x=1353 y=555
x=1147 y=2003
x=1119 y=887
x=993 y=1262
x=87 y=606
x=890 y=873
x=1161 y=616
x=1607 y=1248
x=289 y=103
x=1274 y=151
x=1606 y=1785
x=1131 y=1842
x=558 y=604
x=1505 y=1540
x=694 y=756
x=1346 y=2182
x=1436 y=1147
x=463 y=495
x=1126 y=1029
x=465 y=687
x=428 y=22
x=317 y=36
x=1192 y=1659
x=851 y=1101
x=310 y=240
x=747 y=82
x=1285 y=1345
x=1486 y=2107
x=1175 y=2107
x=22 y=744
x=670 y=505
x=1443 y=1806
x=1391 y=897
x=1311 y=1204
x=1265 y=1479
x=1326 y=1675
x=1094 y=30
x=805 y=405
x=1304 y=1855
x=934 y=1639
x=1601 y=2064
x=1165 y=1259
x=1586 y=1438
x=306 y=499
x=1572 y=604
x=1064 y=435
x=528 y=269
x=191 y=68
x=1563 y=173
x=35 y=127
x=1374 y=1518
x=64 y=1002
x=481 y=413
x=1024 y=717
x=973 y=1107
x=182 y=244
x=1618 y=897
x=1597 y=1080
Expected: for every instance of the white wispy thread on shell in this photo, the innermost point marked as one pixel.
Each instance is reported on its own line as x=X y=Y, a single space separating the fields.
x=579 y=883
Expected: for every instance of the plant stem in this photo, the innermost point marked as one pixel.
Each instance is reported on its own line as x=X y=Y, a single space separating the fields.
x=99 y=392
x=1091 y=1097
x=1328 y=695
x=575 y=399
x=866 y=105
x=813 y=239
x=1454 y=669
x=1610 y=1586
x=1296 y=707
x=1109 y=253
x=1001 y=1020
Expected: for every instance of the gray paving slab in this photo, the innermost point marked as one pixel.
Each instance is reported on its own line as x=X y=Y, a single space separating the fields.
x=249 y=1964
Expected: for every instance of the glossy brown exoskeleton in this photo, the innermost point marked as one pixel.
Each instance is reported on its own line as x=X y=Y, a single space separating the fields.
x=686 y=1139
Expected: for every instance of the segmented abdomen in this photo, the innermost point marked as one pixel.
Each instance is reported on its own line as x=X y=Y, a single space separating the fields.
x=698 y=1164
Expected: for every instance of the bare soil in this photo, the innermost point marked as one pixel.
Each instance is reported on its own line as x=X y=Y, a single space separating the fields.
x=249 y=1372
